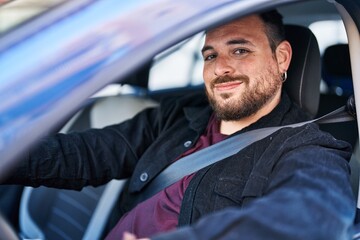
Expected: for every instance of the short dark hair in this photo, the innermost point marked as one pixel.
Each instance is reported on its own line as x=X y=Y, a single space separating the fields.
x=274 y=27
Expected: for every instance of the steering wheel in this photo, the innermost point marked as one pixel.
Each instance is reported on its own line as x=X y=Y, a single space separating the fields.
x=6 y=230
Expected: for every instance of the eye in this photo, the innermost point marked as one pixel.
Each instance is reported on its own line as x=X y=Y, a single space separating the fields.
x=240 y=51
x=209 y=57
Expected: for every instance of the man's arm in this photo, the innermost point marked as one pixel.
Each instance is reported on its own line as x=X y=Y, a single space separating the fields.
x=92 y=157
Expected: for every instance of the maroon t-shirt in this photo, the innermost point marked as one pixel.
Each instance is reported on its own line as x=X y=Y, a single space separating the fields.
x=160 y=213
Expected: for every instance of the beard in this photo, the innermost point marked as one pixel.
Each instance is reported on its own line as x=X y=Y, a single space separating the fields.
x=253 y=98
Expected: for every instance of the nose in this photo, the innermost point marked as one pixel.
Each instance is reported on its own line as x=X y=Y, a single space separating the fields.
x=223 y=66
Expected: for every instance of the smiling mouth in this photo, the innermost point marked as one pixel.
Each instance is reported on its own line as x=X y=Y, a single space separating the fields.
x=226 y=86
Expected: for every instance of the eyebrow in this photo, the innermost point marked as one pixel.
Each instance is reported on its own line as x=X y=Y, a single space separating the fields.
x=230 y=42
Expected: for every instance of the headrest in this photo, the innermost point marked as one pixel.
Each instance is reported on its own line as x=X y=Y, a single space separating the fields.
x=336 y=69
x=304 y=73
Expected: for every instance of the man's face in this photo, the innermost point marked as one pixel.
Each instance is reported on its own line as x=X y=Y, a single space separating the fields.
x=241 y=73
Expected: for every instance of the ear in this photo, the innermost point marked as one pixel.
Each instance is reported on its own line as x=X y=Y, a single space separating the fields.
x=283 y=55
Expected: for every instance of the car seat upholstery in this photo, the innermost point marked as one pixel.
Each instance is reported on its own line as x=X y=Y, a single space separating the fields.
x=304 y=75
x=52 y=213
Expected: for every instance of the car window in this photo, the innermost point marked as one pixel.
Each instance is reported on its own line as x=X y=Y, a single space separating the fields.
x=328 y=33
x=178 y=66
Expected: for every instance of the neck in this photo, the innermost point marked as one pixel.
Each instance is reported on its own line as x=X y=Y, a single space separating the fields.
x=230 y=127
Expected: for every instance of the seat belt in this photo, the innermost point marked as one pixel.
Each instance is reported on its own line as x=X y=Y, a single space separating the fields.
x=230 y=146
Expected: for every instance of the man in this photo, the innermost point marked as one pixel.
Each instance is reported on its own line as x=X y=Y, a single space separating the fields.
x=293 y=184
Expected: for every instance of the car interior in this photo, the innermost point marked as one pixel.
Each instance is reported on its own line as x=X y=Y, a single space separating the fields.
x=79 y=208
x=319 y=80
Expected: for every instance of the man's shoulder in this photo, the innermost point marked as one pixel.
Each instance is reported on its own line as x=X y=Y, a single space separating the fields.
x=310 y=134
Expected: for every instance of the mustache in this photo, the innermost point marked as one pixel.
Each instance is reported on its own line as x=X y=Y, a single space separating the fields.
x=226 y=78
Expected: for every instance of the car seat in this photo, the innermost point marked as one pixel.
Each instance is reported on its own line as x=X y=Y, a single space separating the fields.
x=336 y=73
x=336 y=70
x=64 y=214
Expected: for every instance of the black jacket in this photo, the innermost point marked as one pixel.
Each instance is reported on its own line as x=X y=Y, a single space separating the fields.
x=293 y=184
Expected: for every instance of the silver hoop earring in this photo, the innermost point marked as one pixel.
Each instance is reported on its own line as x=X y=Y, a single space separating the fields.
x=284 y=77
